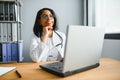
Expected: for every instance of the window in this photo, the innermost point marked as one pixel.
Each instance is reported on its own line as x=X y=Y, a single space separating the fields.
x=108 y=15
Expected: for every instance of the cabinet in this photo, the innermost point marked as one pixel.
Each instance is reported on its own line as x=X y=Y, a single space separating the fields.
x=11 y=43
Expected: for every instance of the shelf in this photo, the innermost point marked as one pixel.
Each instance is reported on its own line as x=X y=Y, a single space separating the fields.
x=11 y=22
x=16 y=1
x=11 y=43
x=8 y=0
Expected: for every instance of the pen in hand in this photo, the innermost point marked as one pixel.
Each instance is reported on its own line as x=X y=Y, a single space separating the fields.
x=19 y=75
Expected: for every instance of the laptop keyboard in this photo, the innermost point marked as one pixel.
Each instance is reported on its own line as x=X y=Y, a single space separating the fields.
x=56 y=66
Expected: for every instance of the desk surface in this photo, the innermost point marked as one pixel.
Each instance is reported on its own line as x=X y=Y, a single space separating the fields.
x=109 y=69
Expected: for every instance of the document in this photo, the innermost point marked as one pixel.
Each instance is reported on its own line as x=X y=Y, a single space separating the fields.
x=4 y=70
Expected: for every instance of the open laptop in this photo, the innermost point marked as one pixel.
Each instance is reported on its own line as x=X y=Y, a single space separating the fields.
x=82 y=51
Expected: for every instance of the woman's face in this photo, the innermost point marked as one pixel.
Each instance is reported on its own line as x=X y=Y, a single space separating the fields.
x=47 y=19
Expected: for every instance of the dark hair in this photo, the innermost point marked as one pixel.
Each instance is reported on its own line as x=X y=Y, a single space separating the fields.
x=37 y=29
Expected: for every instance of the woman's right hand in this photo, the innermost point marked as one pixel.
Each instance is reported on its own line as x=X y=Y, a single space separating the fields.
x=46 y=32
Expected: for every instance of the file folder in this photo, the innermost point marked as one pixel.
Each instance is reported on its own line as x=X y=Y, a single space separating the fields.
x=9 y=52
x=1 y=32
x=14 y=51
x=14 y=32
x=12 y=11
x=20 y=49
x=6 y=11
x=9 y=32
x=4 y=52
x=0 y=52
x=1 y=11
x=4 y=26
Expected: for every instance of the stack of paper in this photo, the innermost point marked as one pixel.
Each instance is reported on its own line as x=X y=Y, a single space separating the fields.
x=4 y=70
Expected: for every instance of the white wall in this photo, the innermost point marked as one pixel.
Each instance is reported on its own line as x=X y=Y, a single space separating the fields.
x=108 y=16
x=68 y=11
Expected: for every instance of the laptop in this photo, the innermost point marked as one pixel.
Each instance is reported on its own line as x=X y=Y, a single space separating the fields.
x=82 y=51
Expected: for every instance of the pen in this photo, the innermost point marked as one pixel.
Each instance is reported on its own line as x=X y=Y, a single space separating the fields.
x=19 y=75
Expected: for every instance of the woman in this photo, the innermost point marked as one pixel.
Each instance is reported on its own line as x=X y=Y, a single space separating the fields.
x=47 y=44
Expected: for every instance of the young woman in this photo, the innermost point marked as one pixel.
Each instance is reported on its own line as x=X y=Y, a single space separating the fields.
x=47 y=44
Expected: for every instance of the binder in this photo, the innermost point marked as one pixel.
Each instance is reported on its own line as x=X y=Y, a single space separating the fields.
x=9 y=32
x=19 y=32
x=14 y=32
x=9 y=55
x=16 y=17
x=14 y=51
x=1 y=11
x=20 y=49
x=4 y=32
x=0 y=52
x=6 y=7
x=4 y=52
x=12 y=11
x=1 y=32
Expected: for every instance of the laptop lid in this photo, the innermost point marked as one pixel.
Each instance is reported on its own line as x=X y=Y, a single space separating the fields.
x=83 y=47
x=82 y=50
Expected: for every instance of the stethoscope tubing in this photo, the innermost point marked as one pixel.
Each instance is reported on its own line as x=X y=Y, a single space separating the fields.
x=60 y=39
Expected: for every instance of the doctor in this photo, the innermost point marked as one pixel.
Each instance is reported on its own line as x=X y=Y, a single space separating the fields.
x=46 y=44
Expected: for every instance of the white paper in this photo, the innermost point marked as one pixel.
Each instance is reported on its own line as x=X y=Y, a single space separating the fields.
x=4 y=70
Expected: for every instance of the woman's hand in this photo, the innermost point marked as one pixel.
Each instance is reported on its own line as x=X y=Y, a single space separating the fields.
x=47 y=31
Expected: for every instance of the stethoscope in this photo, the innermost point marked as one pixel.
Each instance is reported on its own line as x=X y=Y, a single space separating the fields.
x=61 y=43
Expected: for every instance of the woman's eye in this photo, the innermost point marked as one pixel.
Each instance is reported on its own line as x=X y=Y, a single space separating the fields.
x=47 y=16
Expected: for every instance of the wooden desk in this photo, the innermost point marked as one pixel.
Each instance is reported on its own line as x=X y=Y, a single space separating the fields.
x=109 y=69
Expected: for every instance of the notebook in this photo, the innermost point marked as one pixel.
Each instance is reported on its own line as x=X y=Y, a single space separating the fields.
x=4 y=70
x=82 y=51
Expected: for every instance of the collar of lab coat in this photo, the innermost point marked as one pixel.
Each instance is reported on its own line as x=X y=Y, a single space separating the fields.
x=56 y=38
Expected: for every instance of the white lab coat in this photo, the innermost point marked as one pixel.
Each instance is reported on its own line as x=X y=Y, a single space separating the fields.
x=39 y=51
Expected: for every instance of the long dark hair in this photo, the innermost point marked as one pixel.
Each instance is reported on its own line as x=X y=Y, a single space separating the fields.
x=37 y=29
